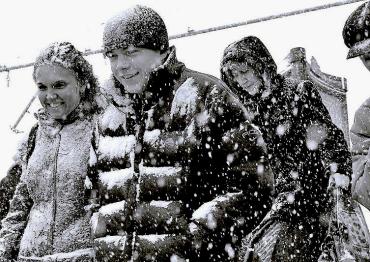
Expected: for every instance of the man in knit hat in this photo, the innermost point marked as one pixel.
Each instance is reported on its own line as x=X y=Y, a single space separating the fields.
x=305 y=149
x=356 y=36
x=173 y=146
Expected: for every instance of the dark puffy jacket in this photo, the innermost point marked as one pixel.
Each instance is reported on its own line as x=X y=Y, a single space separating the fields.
x=47 y=220
x=304 y=148
x=199 y=182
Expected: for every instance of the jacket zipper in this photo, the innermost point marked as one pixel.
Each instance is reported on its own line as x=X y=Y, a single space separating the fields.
x=137 y=161
x=58 y=138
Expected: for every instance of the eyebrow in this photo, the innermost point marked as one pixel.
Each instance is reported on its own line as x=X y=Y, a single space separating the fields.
x=60 y=82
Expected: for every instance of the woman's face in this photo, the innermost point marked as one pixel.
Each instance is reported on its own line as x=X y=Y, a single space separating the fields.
x=59 y=90
x=247 y=78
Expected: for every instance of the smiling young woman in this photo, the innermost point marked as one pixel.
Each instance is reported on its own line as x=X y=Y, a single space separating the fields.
x=47 y=219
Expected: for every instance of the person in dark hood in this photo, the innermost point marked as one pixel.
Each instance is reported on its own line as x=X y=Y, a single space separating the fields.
x=305 y=151
x=173 y=146
x=356 y=37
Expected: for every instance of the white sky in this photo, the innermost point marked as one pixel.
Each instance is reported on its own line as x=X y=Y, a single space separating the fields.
x=28 y=26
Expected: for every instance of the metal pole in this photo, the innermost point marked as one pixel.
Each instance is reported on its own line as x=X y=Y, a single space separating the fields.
x=218 y=28
x=14 y=127
x=266 y=18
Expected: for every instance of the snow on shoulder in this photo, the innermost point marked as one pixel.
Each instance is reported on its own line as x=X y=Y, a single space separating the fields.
x=185 y=100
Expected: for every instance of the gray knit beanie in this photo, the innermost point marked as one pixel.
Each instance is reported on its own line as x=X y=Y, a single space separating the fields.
x=140 y=26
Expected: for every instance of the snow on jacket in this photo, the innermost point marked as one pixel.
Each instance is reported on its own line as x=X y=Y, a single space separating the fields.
x=7 y=188
x=47 y=220
x=304 y=148
x=11 y=180
x=201 y=179
x=360 y=138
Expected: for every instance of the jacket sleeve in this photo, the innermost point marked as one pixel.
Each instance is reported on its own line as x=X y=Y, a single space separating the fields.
x=360 y=137
x=10 y=181
x=15 y=200
x=323 y=152
x=245 y=181
x=15 y=222
x=7 y=188
x=334 y=149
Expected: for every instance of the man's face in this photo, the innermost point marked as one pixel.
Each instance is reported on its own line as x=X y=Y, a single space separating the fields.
x=132 y=66
x=247 y=78
x=366 y=60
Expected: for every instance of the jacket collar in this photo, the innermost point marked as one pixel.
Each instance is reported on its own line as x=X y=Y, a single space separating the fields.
x=53 y=126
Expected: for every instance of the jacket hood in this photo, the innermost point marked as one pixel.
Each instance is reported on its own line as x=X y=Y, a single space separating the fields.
x=252 y=51
x=249 y=50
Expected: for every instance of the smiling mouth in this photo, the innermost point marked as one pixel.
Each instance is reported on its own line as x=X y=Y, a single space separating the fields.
x=54 y=105
x=129 y=76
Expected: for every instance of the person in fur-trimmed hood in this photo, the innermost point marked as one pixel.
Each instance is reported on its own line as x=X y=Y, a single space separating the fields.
x=47 y=219
x=305 y=149
x=183 y=175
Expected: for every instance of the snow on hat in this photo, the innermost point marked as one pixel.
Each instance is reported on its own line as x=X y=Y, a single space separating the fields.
x=67 y=56
x=140 y=26
x=251 y=50
x=356 y=31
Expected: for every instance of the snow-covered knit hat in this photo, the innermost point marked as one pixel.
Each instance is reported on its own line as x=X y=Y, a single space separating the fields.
x=252 y=51
x=356 y=31
x=67 y=56
x=139 y=26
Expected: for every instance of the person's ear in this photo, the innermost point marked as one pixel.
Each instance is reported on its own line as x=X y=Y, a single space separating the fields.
x=164 y=55
x=82 y=89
